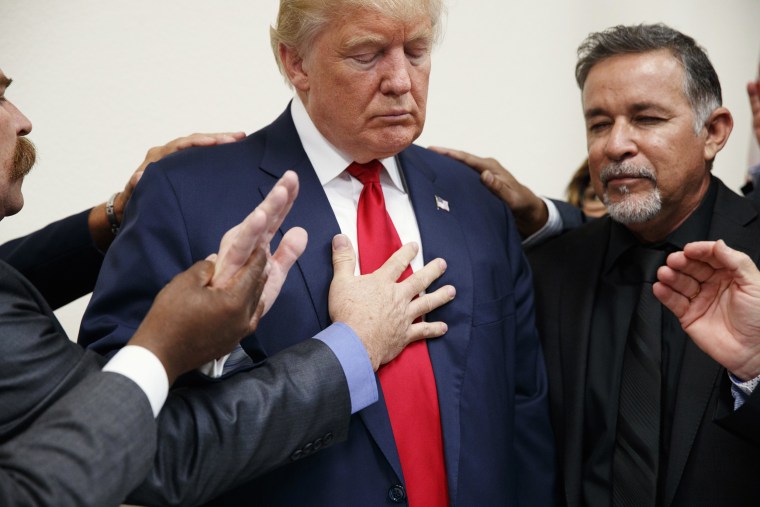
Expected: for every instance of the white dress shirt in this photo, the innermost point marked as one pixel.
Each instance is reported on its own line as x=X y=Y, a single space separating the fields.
x=343 y=190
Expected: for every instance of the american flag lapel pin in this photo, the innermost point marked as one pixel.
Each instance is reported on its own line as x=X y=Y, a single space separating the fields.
x=441 y=203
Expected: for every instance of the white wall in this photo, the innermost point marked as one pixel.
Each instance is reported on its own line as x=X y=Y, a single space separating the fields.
x=104 y=81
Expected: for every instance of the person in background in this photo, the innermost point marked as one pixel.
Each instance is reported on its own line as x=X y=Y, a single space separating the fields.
x=580 y=193
x=750 y=189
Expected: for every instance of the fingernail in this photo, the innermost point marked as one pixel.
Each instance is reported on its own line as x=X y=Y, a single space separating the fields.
x=444 y=328
x=340 y=242
x=451 y=292
x=442 y=264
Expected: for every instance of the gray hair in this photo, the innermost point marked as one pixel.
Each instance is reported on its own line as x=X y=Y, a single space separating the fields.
x=701 y=84
x=299 y=22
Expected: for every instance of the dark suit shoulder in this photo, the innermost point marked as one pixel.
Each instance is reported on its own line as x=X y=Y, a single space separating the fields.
x=572 y=244
x=442 y=166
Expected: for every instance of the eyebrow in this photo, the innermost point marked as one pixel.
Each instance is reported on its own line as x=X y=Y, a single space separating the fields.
x=636 y=108
x=372 y=40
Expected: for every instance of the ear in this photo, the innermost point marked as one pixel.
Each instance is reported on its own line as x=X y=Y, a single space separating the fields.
x=293 y=64
x=719 y=126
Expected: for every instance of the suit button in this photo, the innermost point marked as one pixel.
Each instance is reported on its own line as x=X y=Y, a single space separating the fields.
x=328 y=438
x=296 y=455
x=318 y=444
x=308 y=448
x=397 y=494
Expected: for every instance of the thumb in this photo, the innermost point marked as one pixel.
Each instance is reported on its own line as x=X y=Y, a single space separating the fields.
x=343 y=257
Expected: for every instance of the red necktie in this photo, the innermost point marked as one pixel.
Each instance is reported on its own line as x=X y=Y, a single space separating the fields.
x=407 y=381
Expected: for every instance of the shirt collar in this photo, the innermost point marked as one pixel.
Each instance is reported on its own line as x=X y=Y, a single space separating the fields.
x=327 y=160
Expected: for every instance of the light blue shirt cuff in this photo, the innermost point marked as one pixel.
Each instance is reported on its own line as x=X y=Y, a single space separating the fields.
x=742 y=390
x=551 y=228
x=354 y=359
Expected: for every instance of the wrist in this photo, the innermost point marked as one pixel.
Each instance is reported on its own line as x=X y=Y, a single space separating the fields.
x=113 y=221
x=532 y=217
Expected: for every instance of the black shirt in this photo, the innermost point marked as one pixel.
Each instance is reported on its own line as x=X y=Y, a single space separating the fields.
x=615 y=301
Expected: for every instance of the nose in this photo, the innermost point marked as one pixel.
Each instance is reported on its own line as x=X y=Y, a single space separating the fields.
x=396 y=79
x=620 y=143
x=23 y=125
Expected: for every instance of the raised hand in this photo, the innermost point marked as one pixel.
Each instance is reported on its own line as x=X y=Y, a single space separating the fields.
x=257 y=230
x=715 y=293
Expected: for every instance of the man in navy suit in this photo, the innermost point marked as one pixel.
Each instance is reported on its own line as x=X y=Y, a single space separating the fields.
x=360 y=73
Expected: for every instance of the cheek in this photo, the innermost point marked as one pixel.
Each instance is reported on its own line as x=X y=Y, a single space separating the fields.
x=11 y=198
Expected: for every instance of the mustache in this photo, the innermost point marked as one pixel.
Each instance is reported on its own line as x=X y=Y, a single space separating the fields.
x=23 y=158
x=626 y=170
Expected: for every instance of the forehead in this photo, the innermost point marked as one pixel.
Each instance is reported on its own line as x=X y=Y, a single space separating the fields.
x=359 y=25
x=652 y=77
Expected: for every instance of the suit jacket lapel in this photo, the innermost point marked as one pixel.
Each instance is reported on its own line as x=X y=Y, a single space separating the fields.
x=575 y=312
x=734 y=220
x=313 y=212
x=442 y=235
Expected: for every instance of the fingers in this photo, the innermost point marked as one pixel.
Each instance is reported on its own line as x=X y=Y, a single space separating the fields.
x=248 y=282
x=680 y=284
x=288 y=251
x=398 y=262
x=478 y=163
x=421 y=280
x=424 y=330
x=237 y=244
x=290 y=248
x=200 y=139
x=693 y=267
x=673 y=301
x=429 y=302
x=280 y=200
x=258 y=228
x=343 y=257
x=718 y=255
x=201 y=273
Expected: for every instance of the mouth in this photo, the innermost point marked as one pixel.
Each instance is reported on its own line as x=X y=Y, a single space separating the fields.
x=395 y=117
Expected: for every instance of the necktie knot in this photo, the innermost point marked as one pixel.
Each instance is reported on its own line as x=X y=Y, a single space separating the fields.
x=641 y=264
x=366 y=173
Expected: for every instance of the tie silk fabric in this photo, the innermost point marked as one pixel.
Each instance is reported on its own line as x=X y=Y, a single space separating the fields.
x=636 y=458
x=408 y=383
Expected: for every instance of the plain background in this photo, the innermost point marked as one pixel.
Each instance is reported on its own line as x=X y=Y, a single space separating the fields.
x=104 y=81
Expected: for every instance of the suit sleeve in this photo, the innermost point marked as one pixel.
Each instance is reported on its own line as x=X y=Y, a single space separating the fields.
x=534 y=439
x=215 y=437
x=64 y=425
x=149 y=251
x=744 y=421
x=89 y=448
x=60 y=260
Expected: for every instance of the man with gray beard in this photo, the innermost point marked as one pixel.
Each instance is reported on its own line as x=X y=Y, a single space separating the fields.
x=642 y=415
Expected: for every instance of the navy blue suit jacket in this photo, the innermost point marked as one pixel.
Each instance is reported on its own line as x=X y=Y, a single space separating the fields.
x=489 y=368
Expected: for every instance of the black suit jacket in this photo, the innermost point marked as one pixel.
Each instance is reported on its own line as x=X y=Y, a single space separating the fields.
x=715 y=451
